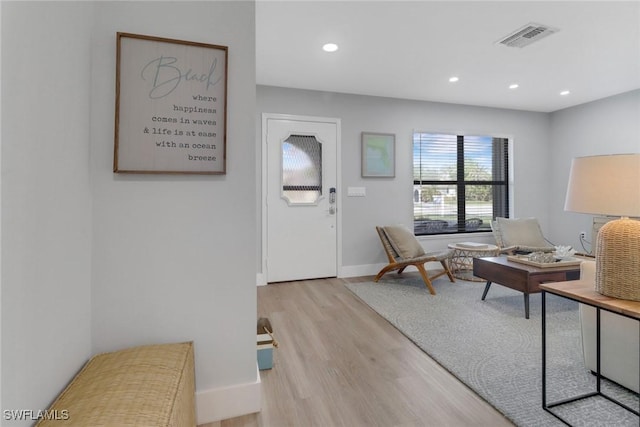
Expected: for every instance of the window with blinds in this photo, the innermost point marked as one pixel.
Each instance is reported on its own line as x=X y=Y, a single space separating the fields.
x=460 y=182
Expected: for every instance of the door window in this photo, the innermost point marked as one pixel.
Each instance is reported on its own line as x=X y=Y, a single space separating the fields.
x=301 y=170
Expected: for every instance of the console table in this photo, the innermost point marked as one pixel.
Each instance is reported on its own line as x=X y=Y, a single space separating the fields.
x=584 y=292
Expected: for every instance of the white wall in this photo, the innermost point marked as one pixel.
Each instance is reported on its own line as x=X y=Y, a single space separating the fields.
x=94 y=261
x=170 y=252
x=389 y=201
x=606 y=126
x=46 y=200
x=1 y=215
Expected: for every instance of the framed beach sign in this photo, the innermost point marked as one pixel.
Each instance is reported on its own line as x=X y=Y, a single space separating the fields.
x=378 y=154
x=171 y=106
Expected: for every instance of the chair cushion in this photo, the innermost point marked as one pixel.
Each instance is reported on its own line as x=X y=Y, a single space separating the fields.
x=521 y=232
x=497 y=234
x=403 y=241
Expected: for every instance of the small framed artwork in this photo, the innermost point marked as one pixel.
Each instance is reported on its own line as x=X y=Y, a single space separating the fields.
x=378 y=155
x=171 y=106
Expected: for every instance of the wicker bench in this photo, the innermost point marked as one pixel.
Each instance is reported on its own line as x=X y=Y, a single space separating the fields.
x=146 y=386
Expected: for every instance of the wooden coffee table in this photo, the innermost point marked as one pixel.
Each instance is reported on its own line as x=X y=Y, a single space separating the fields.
x=520 y=277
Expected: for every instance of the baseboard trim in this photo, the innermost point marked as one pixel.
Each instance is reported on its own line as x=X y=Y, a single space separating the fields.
x=229 y=402
x=345 y=271
x=373 y=269
x=360 y=270
x=261 y=279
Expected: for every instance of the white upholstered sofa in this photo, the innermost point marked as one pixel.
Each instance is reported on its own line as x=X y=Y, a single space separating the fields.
x=619 y=343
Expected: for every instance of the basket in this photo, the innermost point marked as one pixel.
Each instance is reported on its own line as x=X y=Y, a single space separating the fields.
x=618 y=260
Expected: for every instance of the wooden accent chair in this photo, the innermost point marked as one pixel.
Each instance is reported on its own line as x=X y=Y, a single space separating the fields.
x=403 y=249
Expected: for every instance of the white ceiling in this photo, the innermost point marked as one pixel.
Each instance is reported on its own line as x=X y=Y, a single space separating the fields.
x=410 y=49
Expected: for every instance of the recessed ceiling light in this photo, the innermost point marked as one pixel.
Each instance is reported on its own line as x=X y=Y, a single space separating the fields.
x=453 y=79
x=514 y=86
x=330 y=47
x=565 y=93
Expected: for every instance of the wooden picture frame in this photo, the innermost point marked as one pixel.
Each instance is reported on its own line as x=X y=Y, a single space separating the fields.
x=378 y=155
x=171 y=106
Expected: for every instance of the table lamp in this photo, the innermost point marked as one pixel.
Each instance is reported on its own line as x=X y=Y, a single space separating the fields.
x=610 y=185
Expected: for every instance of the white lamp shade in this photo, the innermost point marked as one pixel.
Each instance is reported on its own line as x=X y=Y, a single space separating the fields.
x=605 y=185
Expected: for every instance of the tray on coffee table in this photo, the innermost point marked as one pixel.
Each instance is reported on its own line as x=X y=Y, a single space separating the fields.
x=524 y=259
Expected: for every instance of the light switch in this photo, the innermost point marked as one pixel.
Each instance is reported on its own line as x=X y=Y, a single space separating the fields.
x=356 y=191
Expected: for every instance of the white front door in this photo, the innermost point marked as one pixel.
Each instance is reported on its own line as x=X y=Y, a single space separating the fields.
x=301 y=197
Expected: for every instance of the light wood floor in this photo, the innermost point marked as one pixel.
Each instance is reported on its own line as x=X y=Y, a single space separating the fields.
x=340 y=364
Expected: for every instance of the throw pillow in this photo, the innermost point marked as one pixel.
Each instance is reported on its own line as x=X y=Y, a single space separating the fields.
x=521 y=232
x=403 y=241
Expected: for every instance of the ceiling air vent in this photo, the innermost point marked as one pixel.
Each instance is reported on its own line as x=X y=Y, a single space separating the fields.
x=526 y=35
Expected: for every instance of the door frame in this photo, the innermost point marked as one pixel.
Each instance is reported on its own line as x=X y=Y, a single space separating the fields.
x=262 y=280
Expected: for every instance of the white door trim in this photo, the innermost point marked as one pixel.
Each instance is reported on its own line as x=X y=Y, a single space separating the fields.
x=263 y=154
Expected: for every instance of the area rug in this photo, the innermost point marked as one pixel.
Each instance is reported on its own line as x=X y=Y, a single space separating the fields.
x=494 y=350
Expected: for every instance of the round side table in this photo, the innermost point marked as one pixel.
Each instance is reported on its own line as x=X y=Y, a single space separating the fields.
x=461 y=263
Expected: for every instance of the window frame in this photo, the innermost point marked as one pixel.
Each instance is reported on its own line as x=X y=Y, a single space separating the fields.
x=500 y=208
